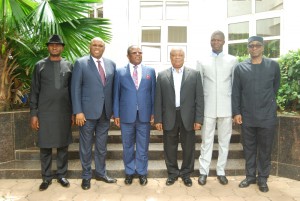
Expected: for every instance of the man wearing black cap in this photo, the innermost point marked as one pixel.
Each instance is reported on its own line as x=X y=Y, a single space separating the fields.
x=255 y=85
x=51 y=111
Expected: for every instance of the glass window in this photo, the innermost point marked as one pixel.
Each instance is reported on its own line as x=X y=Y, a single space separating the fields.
x=100 y=12
x=96 y=13
x=238 y=49
x=272 y=48
x=267 y=5
x=151 y=10
x=177 y=34
x=238 y=31
x=268 y=27
x=151 y=53
x=238 y=7
x=151 y=34
x=253 y=22
x=177 y=10
x=91 y=14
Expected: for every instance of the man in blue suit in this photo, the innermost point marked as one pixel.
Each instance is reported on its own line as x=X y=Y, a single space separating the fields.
x=92 y=99
x=134 y=91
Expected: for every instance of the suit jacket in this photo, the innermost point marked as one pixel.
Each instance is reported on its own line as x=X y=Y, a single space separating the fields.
x=217 y=76
x=191 y=99
x=88 y=93
x=127 y=99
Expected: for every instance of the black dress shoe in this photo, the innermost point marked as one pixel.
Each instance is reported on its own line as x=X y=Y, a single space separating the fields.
x=187 y=181
x=64 y=182
x=128 y=179
x=86 y=184
x=263 y=187
x=202 y=179
x=44 y=185
x=106 y=179
x=222 y=179
x=171 y=180
x=143 y=180
x=246 y=182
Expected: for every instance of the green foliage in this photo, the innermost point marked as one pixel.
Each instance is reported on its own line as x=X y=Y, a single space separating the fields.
x=26 y=25
x=243 y=58
x=288 y=97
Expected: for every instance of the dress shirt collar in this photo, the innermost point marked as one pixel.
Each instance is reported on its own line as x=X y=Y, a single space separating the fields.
x=180 y=70
x=132 y=66
x=101 y=60
x=215 y=54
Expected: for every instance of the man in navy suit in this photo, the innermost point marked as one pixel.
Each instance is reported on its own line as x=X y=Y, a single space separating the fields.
x=134 y=91
x=92 y=99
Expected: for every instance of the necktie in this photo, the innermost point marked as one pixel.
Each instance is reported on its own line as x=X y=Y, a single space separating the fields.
x=101 y=72
x=135 y=77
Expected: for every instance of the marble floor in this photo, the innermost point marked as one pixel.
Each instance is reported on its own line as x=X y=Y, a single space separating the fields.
x=281 y=189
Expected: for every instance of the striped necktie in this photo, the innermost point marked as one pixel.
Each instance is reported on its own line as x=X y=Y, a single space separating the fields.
x=101 y=72
x=135 y=77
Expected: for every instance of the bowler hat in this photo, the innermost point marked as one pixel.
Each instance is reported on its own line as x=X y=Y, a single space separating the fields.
x=55 y=39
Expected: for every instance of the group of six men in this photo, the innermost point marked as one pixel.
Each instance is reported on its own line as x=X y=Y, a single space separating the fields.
x=179 y=101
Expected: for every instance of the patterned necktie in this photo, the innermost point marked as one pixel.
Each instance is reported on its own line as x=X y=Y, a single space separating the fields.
x=101 y=72
x=135 y=77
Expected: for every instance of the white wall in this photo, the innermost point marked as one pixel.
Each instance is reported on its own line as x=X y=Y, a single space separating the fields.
x=206 y=16
x=290 y=30
x=117 y=12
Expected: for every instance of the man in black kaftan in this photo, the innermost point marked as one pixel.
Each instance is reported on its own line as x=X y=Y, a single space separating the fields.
x=51 y=111
x=255 y=85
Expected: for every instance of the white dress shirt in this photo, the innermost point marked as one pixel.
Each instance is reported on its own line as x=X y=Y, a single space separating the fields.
x=101 y=62
x=177 y=78
x=139 y=72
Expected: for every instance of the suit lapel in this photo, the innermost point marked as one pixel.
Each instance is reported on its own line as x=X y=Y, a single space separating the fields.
x=185 y=75
x=144 y=74
x=170 y=77
x=128 y=75
x=93 y=68
x=108 y=70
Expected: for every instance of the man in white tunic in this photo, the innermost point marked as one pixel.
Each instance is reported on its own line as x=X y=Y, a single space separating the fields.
x=217 y=75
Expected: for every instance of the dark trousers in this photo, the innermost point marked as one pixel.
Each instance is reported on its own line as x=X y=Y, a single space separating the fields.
x=135 y=140
x=257 y=145
x=99 y=128
x=187 y=139
x=61 y=162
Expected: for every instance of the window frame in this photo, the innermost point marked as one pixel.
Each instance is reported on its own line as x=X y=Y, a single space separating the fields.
x=252 y=19
x=164 y=24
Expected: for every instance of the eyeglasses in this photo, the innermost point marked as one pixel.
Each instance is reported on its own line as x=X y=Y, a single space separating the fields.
x=136 y=53
x=255 y=46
